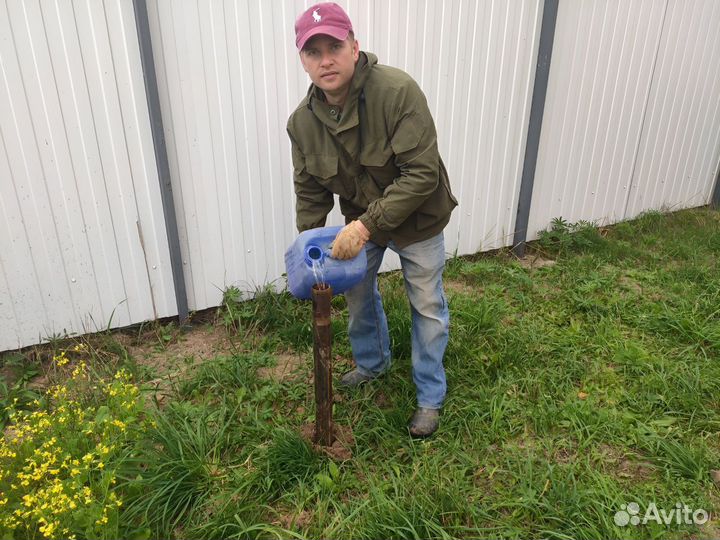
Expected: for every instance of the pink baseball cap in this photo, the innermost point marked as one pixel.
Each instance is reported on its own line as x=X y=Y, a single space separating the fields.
x=325 y=18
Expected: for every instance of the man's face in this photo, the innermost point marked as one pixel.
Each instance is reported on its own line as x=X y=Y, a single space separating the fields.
x=330 y=64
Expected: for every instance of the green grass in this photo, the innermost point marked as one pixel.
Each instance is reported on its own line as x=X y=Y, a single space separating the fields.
x=574 y=388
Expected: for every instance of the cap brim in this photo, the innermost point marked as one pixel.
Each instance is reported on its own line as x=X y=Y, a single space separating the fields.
x=337 y=33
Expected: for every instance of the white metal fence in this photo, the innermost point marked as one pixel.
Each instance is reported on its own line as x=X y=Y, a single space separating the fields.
x=679 y=148
x=630 y=123
x=632 y=113
x=83 y=242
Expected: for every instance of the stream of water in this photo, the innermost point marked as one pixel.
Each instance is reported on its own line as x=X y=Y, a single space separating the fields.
x=318 y=271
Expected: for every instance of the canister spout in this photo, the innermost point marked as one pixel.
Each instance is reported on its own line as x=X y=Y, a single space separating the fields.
x=314 y=253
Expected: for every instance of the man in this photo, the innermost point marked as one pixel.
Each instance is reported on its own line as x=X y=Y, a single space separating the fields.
x=365 y=133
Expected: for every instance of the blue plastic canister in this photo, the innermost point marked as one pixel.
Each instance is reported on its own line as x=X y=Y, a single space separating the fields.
x=314 y=245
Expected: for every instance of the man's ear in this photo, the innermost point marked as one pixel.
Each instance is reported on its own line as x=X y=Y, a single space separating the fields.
x=356 y=50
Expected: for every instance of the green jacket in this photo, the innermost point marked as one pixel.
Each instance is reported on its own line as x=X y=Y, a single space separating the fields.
x=380 y=156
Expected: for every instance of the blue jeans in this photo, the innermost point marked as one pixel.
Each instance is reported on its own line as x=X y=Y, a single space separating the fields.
x=422 y=267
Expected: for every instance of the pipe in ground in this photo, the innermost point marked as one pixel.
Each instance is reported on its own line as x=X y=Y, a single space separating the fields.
x=322 y=348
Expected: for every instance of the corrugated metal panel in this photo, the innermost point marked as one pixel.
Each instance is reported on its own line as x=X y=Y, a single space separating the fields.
x=475 y=61
x=680 y=147
x=226 y=83
x=229 y=76
x=84 y=243
x=600 y=78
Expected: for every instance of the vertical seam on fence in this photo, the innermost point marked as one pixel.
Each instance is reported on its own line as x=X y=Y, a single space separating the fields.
x=537 y=109
x=715 y=201
x=647 y=104
x=158 y=136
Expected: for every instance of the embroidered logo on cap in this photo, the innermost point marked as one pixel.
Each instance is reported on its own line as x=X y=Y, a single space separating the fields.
x=316 y=16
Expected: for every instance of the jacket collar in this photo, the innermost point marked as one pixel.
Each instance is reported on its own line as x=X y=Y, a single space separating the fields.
x=349 y=118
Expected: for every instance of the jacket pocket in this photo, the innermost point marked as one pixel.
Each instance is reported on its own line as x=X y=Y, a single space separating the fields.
x=324 y=167
x=408 y=134
x=377 y=159
x=321 y=166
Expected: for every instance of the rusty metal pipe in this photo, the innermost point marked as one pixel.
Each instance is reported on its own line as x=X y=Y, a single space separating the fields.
x=322 y=351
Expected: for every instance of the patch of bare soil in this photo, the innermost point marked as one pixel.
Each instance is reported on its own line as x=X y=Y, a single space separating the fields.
x=457 y=286
x=289 y=367
x=630 y=284
x=565 y=455
x=715 y=475
x=382 y=400
x=340 y=450
x=293 y=520
x=532 y=262
x=626 y=466
x=195 y=344
x=39 y=383
x=187 y=348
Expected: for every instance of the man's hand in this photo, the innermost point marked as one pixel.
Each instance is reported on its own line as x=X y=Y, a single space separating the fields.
x=350 y=240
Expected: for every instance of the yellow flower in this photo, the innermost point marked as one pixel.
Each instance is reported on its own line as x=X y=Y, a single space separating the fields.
x=103 y=449
x=61 y=359
x=79 y=371
x=48 y=530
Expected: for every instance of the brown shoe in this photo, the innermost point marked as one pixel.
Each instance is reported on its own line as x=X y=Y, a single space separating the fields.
x=424 y=422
